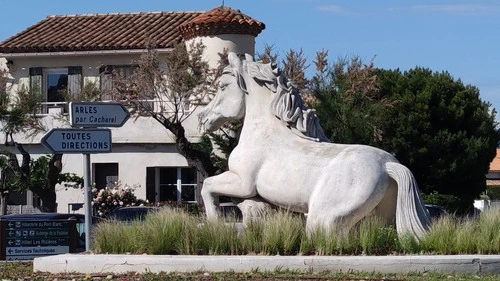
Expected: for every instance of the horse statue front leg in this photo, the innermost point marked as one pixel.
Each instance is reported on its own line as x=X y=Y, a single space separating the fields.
x=227 y=184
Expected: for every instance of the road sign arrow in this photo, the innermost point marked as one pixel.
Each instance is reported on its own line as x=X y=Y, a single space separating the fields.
x=10 y=242
x=10 y=251
x=77 y=140
x=11 y=233
x=98 y=114
x=9 y=224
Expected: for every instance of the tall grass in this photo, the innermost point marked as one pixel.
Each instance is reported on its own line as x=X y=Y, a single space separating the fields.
x=376 y=237
x=176 y=232
x=488 y=233
x=216 y=238
x=281 y=233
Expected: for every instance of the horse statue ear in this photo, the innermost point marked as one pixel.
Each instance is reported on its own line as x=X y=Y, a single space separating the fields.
x=237 y=66
x=248 y=57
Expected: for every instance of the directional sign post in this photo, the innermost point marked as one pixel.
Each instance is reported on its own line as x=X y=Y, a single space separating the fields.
x=85 y=115
x=69 y=140
x=98 y=114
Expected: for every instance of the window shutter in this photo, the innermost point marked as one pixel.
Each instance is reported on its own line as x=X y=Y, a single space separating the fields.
x=106 y=77
x=75 y=81
x=36 y=81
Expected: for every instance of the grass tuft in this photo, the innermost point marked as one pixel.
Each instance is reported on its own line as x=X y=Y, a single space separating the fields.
x=283 y=233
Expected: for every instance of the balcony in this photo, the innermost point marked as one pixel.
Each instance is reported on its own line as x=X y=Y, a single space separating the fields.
x=58 y=108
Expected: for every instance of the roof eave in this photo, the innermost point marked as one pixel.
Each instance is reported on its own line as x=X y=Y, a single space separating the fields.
x=81 y=53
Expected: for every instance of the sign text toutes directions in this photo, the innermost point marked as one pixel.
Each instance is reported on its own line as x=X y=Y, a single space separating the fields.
x=69 y=140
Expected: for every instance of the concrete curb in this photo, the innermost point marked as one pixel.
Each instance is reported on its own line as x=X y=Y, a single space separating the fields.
x=94 y=264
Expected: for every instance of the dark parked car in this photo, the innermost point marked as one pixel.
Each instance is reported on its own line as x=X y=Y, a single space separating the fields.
x=436 y=211
x=131 y=213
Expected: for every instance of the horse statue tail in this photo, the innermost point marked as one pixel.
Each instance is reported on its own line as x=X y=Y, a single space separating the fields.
x=411 y=215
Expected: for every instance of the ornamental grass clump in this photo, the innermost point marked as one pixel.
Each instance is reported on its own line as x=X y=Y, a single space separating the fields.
x=172 y=231
x=320 y=243
x=216 y=237
x=114 y=237
x=376 y=237
x=168 y=231
x=251 y=238
x=465 y=239
x=282 y=233
x=488 y=232
x=441 y=237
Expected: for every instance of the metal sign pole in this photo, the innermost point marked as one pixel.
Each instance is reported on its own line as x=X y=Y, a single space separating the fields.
x=88 y=201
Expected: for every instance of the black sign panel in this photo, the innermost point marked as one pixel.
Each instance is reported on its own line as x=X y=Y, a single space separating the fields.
x=27 y=239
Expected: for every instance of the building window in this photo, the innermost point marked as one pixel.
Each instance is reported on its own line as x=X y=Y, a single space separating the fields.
x=171 y=184
x=109 y=76
x=105 y=174
x=56 y=86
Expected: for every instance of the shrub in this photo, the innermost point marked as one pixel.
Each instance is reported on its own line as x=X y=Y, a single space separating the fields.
x=107 y=199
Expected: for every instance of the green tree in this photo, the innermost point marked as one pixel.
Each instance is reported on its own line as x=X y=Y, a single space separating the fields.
x=44 y=174
x=432 y=123
x=441 y=130
x=348 y=101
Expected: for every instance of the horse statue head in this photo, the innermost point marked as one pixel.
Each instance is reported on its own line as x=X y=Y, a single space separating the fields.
x=245 y=76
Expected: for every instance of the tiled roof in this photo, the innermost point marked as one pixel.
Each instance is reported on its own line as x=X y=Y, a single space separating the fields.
x=125 y=31
x=495 y=163
x=221 y=20
x=99 y=32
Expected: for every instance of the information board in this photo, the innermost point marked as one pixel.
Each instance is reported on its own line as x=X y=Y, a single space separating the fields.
x=26 y=239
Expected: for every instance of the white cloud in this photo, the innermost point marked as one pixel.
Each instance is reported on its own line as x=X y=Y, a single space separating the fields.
x=457 y=9
x=332 y=9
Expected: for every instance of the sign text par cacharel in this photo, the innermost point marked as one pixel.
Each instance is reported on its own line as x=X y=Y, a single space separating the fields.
x=98 y=114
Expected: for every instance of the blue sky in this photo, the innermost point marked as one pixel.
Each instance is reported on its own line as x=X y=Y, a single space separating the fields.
x=461 y=37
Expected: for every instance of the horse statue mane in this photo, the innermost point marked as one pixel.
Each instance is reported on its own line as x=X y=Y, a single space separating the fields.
x=287 y=103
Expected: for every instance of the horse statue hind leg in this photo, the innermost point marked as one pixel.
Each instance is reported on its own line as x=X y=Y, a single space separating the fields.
x=386 y=190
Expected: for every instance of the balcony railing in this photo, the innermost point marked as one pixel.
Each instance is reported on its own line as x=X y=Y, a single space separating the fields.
x=53 y=108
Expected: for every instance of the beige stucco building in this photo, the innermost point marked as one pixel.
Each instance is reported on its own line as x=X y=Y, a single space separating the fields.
x=79 y=49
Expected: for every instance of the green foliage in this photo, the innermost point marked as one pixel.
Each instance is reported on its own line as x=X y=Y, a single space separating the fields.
x=225 y=140
x=441 y=130
x=449 y=202
x=435 y=125
x=282 y=233
x=12 y=180
x=348 y=102
x=39 y=169
x=493 y=192
x=376 y=237
x=175 y=232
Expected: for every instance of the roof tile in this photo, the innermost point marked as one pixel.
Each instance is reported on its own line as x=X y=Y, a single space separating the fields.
x=99 y=32
x=120 y=31
x=495 y=163
x=221 y=20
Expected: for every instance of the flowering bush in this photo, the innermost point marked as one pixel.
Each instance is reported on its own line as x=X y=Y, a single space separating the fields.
x=110 y=198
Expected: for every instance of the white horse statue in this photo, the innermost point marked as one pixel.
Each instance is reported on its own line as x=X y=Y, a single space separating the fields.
x=283 y=157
